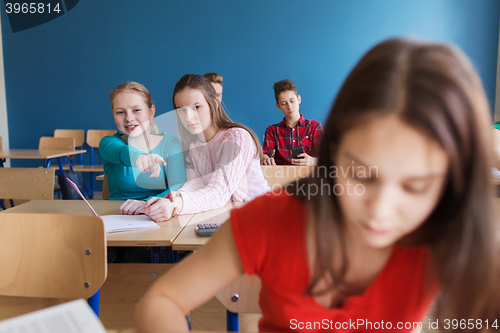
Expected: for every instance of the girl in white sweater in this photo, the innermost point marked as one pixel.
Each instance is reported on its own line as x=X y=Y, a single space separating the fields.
x=221 y=157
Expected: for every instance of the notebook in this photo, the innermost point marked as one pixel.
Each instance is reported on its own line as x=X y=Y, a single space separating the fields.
x=71 y=317
x=116 y=223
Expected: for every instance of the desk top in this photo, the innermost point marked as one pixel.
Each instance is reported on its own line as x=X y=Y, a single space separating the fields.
x=187 y=240
x=163 y=236
x=38 y=154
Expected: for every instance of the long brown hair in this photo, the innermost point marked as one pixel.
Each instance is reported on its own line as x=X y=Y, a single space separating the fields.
x=435 y=89
x=217 y=113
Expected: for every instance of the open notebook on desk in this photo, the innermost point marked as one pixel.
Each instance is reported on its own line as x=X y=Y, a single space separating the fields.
x=71 y=317
x=115 y=223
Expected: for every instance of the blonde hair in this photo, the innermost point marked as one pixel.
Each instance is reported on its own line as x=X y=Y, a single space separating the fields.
x=142 y=91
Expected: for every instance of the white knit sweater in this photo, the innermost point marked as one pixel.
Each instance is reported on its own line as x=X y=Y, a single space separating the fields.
x=226 y=168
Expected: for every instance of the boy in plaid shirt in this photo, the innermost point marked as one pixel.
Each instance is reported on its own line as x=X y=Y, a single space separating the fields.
x=292 y=132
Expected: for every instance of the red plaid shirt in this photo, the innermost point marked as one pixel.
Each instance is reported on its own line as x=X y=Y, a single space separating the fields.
x=279 y=139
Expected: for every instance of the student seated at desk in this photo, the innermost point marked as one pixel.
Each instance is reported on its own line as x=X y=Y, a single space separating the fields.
x=293 y=132
x=410 y=215
x=221 y=157
x=139 y=165
x=138 y=162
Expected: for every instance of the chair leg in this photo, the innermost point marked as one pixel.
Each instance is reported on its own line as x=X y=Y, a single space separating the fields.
x=94 y=302
x=231 y=321
x=2 y=204
x=91 y=191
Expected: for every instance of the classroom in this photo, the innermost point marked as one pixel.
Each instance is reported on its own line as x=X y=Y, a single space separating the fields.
x=59 y=74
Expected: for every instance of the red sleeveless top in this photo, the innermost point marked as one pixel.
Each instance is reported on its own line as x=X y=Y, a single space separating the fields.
x=270 y=236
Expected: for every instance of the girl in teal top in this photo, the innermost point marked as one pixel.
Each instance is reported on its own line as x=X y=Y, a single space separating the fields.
x=139 y=163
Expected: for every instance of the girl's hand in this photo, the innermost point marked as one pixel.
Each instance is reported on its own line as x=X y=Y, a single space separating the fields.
x=159 y=209
x=150 y=163
x=132 y=207
x=176 y=198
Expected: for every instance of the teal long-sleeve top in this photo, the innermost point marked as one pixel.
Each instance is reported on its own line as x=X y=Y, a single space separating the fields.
x=125 y=181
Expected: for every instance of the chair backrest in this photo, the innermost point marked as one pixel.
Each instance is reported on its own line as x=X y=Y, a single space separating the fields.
x=279 y=175
x=95 y=136
x=78 y=134
x=242 y=296
x=105 y=188
x=51 y=143
x=49 y=256
x=27 y=183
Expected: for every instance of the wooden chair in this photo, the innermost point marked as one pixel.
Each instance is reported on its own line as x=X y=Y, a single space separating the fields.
x=56 y=143
x=279 y=175
x=46 y=259
x=78 y=134
x=26 y=184
x=51 y=143
x=105 y=188
x=93 y=139
x=242 y=296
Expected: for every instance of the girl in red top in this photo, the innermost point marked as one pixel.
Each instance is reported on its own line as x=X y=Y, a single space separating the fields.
x=398 y=208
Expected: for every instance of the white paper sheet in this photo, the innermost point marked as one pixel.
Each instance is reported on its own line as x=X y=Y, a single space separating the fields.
x=71 y=317
x=115 y=223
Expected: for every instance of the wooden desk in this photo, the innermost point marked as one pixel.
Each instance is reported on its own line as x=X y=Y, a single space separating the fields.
x=163 y=236
x=37 y=154
x=187 y=240
x=127 y=283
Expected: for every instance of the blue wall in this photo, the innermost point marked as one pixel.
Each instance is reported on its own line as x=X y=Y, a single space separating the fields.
x=59 y=74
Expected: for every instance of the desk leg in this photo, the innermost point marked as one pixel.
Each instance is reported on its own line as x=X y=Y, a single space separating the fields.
x=232 y=321
x=94 y=302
